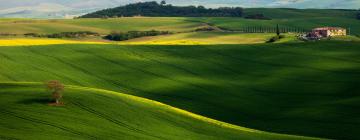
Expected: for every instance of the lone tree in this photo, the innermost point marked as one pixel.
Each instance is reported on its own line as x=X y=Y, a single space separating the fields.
x=277 y=30
x=56 y=88
x=163 y=2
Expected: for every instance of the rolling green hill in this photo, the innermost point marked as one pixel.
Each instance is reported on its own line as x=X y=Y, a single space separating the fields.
x=103 y=26
x=294 y=18
x=100 y=114
x=307 y=89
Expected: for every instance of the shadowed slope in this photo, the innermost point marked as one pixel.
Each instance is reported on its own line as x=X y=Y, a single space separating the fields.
x=100 y=114
x=308 y=89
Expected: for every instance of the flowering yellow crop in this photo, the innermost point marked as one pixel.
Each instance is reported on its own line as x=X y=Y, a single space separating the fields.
x=173 y=42
x=33 y=42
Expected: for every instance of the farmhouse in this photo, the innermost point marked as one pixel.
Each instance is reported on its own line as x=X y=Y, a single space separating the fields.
x=329 y=31
x=322 y=32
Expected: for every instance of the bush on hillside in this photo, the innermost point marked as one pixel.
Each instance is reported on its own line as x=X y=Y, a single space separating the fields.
x=257 y=16
x=154 y=9
x=34 y=35
x=205 y=29
x=121 y=36
x=275 y=38
x=73 y=34
x=358 y=16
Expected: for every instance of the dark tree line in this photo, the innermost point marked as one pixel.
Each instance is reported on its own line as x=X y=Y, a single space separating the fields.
x=121 y=36
x=154 y=9
x=64 y=34
x=358 y=16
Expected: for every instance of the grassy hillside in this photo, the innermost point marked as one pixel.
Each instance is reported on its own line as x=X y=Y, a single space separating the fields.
x=291 y=18
x=308 y=89
x=100 y=114
x=104 y=26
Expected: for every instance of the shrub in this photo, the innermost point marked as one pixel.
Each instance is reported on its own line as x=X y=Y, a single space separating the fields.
x=33 y=35
x=204 y=29
x=257 y=16
x=72 y=34
x=275 y=38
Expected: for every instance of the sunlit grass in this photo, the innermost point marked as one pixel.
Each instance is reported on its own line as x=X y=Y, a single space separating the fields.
x=206 y=38
x=32 y=42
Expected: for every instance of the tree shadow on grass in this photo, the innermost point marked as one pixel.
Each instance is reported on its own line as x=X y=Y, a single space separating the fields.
x=42 y=100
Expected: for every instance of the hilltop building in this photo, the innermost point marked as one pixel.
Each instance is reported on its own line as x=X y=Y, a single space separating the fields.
x=329 y=31
x=318 y=33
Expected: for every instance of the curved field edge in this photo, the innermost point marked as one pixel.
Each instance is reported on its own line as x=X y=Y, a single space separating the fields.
x=41 y=42
x=169 y=109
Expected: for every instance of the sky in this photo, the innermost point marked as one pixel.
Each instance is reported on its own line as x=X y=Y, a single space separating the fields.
x=63 y=8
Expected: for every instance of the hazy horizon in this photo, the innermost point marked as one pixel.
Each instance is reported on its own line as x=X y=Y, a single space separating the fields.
x=64 y=8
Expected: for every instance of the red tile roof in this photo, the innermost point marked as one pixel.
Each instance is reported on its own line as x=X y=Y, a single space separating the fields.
x=329 y=28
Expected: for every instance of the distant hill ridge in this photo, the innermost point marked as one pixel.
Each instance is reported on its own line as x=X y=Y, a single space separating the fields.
x=154 y=9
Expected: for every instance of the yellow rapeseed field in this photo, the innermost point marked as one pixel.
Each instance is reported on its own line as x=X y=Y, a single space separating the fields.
x=33 y=42
x=166 y=42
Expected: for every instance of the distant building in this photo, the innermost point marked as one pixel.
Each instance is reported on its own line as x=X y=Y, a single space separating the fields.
x=329 y=31
x=318 y=33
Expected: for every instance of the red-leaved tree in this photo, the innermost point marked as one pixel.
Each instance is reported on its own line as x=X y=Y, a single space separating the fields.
x=56 y=88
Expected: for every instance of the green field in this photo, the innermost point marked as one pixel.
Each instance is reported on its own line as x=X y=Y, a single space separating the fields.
x=186 y=85
x=100 y=114
x=307 y=89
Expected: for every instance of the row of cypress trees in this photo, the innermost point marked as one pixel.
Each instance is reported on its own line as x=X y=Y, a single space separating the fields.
x=261 y=29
